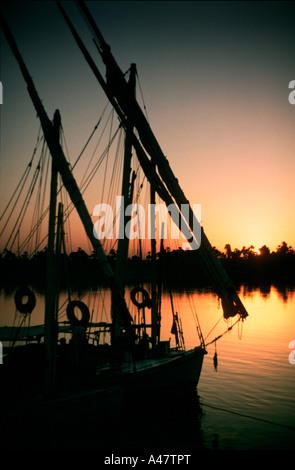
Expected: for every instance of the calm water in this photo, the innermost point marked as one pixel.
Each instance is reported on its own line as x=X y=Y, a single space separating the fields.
x=247 y=404
x=254 y=378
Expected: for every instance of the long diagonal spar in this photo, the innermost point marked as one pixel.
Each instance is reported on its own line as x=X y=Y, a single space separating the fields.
x=165 y=182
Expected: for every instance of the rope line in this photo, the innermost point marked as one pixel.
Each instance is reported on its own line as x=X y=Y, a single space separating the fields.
x=141 y=93
x=89 y=138
x=213 y=327
x=248 y=416
x=220 y=336
x=24 y=177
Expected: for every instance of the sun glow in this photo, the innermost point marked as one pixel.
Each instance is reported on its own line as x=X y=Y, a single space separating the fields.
x=256 y=252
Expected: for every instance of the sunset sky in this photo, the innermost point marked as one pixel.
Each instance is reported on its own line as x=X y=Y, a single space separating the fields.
x=215 y=78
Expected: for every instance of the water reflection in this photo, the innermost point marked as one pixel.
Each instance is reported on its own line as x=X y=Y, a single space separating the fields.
x=248 y=403
x=255 y=379
x=284 y=291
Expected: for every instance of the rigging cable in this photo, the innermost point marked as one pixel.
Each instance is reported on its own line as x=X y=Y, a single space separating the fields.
x=89 y=138
x=24 y=206
x=226 y=331
x=91 y=175
x=24 y=177
x=98 y=143
x=214 y=327
x=114 y=185
x=141 y=93
x=40 y=197
x=21 y=185
x=84 y=186
x=107 y=159
x=196 y=318
x=63 y=144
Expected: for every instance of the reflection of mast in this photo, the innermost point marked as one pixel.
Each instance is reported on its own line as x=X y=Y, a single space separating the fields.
x=70 y=184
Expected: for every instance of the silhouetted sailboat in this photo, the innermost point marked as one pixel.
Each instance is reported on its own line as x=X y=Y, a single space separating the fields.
x=137 y=358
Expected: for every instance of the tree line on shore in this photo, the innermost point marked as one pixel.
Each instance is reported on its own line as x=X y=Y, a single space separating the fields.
x=82 y=269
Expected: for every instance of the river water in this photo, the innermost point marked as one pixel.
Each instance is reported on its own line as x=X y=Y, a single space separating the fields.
x=255 y=380
x=248 y=403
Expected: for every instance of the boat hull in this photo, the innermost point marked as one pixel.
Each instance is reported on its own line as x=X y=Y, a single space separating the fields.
x=182 y=370
x=91 y=419
x=50 y=419
x=177 y=369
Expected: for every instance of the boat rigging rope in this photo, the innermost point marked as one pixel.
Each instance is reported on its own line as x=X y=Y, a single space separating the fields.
x=18 y=325
x=40 y=197
x=19 y=189
x=115 y=176
x=24 y=176
x=214 y=327
x=226 y=331
x=23 y=180
x=196 y=318
x=89 y=178
x=64 y=144
x=90 y=137
x=141 y=94
x=24 y=207
x=107 y=155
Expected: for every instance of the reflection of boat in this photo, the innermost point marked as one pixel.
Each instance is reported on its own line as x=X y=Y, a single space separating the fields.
x=137 y=357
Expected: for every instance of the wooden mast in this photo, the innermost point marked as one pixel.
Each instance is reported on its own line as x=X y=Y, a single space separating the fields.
x=127 y=195
x=50 y=326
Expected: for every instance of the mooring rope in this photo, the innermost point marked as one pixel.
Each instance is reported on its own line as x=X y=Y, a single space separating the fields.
x=248 y=416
